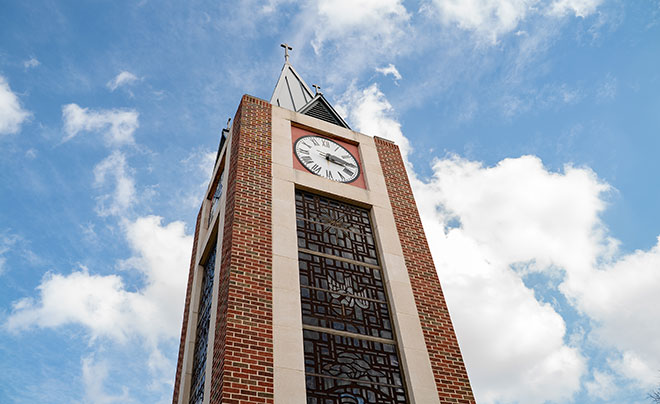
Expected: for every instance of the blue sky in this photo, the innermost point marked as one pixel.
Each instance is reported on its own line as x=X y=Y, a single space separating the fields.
x=531 y=130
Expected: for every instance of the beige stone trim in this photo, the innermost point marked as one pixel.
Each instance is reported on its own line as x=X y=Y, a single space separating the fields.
x=287 y=325
x=288 y=355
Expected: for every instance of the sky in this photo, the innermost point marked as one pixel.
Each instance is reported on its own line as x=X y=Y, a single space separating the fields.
x=530 y=129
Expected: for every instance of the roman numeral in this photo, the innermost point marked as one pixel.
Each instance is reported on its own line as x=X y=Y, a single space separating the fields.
x=328 y=174
x=306 y=159
x=347 y=171
x=316 y=168
x=305 y=144
x=341 y=176
x=314 y=141
x=325 y=143
x=303 y=151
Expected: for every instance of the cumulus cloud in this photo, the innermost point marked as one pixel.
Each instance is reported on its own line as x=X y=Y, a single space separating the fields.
x=103 y=304
x=107 y=308
x=122 y=79
x=372 y=113
x=122 y=196
x=12 y=114
x=479 y=222
x=116 y=125
x=491 y=226
x=621 y=297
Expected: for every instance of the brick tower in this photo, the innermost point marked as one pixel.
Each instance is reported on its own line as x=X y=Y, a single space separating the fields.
x=311 y=280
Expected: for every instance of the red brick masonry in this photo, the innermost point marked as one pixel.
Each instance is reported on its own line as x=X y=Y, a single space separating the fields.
x=449 y=371
x=243 y=348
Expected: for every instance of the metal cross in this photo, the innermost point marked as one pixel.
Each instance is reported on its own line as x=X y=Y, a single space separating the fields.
x=317 y=89
x=287 y=48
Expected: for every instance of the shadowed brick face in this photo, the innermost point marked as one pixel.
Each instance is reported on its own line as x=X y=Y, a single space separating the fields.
x=184 y=327
x=243 y=347
x=446 y=360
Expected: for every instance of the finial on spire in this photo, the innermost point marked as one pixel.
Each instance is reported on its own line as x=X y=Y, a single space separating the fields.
x=317 y=88
x=287 y=48
x=228 y=120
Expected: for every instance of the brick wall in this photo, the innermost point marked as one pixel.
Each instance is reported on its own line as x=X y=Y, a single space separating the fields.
x=184 y=327
x=243 y=349
x=446 y=360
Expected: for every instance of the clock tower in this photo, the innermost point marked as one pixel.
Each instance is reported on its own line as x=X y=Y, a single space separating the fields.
x=311 y=280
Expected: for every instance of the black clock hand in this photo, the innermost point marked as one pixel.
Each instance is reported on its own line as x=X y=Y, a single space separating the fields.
x=341 y=161
x=336 y=160
x=332 y=158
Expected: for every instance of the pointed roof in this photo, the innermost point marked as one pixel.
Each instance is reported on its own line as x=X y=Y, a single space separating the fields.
x=320 y=108
x=291 y=92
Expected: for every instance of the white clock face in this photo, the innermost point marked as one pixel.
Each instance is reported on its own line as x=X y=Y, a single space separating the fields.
x=326 y=158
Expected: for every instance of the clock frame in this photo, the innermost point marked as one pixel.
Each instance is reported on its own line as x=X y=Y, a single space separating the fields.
x=338 y=165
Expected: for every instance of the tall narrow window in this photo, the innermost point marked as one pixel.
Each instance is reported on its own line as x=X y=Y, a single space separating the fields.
x=202 y=331
x=350 y=348
x=215 y=201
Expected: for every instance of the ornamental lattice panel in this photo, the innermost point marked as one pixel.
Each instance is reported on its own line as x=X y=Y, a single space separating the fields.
x=350 y=350
x=202 y=331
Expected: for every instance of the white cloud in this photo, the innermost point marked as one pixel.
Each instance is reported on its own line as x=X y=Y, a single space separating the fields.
x=371 y=113
x=123 y=194
x=122 y=79
x=30 y=63
x=117 y=125
x=488 y=227
x=490 y=19
x=621 y=297
x=107 y=308
x=603 y=385
x=94 y=375
x=581 y=8
x=514 y=345
x=339 y=29
x=12 y=115
x=102 y=303
x=389 y=69
x=380 y=20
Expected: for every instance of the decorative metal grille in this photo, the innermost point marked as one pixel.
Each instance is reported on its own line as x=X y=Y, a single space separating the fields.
x=335 y=228
x=343 y=296
x=350 y=352
x=202 y=331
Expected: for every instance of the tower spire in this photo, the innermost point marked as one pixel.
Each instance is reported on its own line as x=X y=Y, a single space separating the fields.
x=287 y=48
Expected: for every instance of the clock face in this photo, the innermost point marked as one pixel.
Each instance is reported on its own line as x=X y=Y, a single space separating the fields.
x=326 y=158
